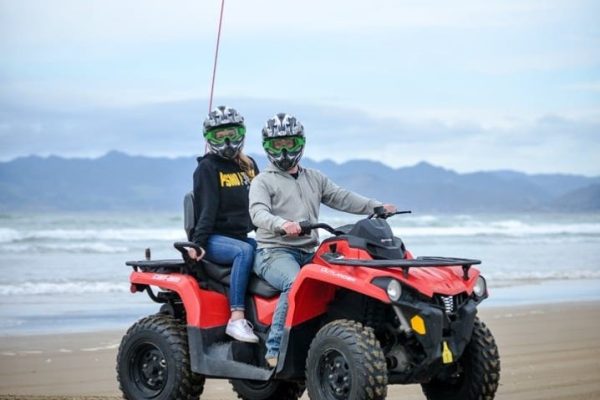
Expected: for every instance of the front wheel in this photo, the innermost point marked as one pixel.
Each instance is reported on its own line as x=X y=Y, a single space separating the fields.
x=345 y=362
x=153 y=362
x=478 y=371
x=272 y=390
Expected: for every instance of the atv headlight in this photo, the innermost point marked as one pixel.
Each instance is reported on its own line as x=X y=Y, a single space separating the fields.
x=480 y=287
x=394 y=290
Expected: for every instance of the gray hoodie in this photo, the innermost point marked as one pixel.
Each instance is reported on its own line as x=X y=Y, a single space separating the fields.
x=276 y=197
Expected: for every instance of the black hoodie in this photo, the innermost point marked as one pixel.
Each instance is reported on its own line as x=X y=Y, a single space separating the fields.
x=221 y=199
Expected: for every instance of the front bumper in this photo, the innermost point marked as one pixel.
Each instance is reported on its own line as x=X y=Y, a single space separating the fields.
x=441 y=343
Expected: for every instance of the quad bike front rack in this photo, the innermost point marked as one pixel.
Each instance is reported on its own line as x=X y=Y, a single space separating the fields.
x=419 y=262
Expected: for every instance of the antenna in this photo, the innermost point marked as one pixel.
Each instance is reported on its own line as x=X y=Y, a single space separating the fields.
x=212 y=86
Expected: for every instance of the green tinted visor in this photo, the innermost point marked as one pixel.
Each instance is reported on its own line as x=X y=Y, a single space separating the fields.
x=277 y=144
x=218 y=135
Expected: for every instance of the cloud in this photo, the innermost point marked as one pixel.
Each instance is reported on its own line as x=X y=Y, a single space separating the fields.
x=549 y=144
x=151 y=20
x=473 y=85
x=585 y=86
x=500 y=55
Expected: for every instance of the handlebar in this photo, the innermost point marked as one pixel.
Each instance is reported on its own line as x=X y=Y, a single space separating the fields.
x=380 y=212
x=307 y=226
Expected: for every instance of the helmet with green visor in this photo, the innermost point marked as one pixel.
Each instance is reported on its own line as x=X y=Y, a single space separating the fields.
x=224 y=131
x=283 y=140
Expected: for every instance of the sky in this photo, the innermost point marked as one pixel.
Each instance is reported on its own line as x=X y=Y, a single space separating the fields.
x=467 y=85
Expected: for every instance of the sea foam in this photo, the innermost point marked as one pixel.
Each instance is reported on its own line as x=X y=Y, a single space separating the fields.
x=73 y=287
x=9 y=235
x=43 y=248
x=507 y=228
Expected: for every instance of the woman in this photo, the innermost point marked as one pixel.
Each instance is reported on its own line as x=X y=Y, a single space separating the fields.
x=221 y=183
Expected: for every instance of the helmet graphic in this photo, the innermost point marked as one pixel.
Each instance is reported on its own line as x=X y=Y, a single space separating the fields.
x=224 y=131
x=283 y=140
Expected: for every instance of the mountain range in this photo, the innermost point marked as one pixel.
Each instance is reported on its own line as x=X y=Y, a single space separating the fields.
x=117 y=181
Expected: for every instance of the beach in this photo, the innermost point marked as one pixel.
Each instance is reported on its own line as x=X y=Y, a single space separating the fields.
x=65 y=298
x=549 y=351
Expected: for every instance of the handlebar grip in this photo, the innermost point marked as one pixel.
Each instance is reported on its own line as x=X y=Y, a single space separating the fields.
x=305 y=227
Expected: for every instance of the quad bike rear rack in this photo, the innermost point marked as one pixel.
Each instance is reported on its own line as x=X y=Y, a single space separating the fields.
x=183 y=265
x=419 y=262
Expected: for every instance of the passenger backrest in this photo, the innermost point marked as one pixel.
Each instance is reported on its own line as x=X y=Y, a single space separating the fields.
x=189 y=215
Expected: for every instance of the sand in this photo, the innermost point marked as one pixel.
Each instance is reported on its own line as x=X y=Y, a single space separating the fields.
x=548 y=352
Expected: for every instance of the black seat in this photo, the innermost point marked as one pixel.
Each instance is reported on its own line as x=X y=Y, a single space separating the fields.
x=219 y=272
x=222 y=274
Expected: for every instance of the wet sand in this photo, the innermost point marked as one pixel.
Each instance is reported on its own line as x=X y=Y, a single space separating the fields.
x=548 y=352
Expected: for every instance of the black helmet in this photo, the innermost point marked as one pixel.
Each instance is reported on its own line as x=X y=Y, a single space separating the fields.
x=224 y=131
x=283 y=140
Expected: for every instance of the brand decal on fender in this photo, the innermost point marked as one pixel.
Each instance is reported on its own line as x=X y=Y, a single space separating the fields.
x=338 y=274
x=166 y=278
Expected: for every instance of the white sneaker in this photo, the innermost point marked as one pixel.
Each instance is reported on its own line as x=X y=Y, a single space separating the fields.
x=241 y=330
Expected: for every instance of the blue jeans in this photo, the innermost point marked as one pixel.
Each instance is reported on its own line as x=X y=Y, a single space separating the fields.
x=279 y=266
x=240 y=253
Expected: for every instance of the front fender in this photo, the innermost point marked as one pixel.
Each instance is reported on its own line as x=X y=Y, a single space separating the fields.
x=315 y=287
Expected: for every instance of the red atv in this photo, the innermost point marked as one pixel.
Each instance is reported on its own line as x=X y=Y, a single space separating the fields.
x=363 y=314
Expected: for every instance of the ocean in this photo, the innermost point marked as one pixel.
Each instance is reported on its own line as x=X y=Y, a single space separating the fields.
x=65 y=272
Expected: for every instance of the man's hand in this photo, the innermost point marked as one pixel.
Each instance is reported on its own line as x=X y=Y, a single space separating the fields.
x=390 y=208
x=291 y=228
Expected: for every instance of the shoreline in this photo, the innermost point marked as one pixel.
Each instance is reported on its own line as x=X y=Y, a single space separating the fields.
x=548 y=351
x=42 y=318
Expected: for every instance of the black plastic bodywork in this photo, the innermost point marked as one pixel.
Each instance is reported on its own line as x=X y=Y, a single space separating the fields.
x=214 y=354
x=378 y=239
x=440 y=327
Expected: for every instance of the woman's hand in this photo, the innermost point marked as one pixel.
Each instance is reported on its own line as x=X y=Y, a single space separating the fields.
x=193 y=254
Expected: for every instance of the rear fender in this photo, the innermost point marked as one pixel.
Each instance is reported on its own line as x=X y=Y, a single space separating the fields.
x=204 y=309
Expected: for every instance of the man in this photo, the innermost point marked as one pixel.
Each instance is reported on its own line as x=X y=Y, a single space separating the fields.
x=280 y=197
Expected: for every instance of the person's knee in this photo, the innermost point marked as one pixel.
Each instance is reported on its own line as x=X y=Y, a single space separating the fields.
x=244 y=251
x=288 y=281
x=247 y=249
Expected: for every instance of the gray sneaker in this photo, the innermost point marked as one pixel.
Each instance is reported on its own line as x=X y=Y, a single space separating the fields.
x=241 y=330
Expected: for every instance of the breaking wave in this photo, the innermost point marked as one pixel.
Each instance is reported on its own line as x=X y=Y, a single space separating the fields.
x=8 y=235
x=523 y=276
x=508 y=228
x=73 y=287
x=43 y=248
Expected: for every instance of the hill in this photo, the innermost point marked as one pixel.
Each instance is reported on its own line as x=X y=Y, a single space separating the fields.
x=117 y=181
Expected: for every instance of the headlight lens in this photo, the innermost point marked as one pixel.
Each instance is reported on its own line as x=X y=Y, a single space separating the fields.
x=480 y=287
x=394 y=290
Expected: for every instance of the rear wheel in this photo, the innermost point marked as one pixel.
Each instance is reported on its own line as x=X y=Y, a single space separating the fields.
x=478 y=371
x=153 y=361
x=272 y=390
x=345 y=361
